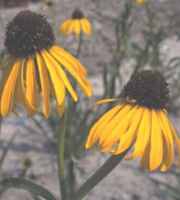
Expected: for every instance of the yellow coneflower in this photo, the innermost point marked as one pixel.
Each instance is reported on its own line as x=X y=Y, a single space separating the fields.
x=140 y=2
x=77 y=24
x=139 y=123
x=39 y=68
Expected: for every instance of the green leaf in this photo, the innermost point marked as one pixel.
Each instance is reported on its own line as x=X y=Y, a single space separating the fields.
x=21 y=183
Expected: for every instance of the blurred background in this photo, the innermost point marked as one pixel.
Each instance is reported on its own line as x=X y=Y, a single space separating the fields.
x=126 y=37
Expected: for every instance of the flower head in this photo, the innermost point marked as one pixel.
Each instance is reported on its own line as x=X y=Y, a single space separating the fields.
x=40 y=66
x=139 y=123
x=140 y=2
x=77 y=24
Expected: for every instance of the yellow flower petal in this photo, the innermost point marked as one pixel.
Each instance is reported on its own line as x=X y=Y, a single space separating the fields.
x=69 y=58
x=118 y=131
x=128 y=137
x=45 y=85
x=53 y=64
x=57 y=83
x=156 y=144
x=143 y=134
x=168 y=137
x=109 y=129
x=72 y=27
x=84 y=83
x=164 y=165
x=21 y=91
x=176 y=138
x=173 y=130
x=65 y=26
x=140 y=2
x=83 y=27
x=100 y=123
x=77 y=27
x=30 y=82
x=68 y=63
x=145 y=158
x=9 y=89
x=86 y=26
x=104 y=101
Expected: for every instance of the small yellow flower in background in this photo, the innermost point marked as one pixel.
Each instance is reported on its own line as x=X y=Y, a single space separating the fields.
x=77 y=24
x=40 y=67
x=140 y=2
x=140 y=122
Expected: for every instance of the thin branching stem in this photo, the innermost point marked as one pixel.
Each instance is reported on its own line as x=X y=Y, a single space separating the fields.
x=61 y=158
x=80 y=41
x=101 y=173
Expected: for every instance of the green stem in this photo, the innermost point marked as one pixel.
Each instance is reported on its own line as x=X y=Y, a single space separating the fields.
x=20 y=183
x=101 y=173
x=71 y=177
x=61 y=159
x=70 y=147
x=80 y=41
x=71 y=181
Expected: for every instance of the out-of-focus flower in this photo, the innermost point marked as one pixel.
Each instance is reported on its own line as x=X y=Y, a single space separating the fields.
x=140 y=2
x=139 y=122
x=77 y=24
x=39 y=69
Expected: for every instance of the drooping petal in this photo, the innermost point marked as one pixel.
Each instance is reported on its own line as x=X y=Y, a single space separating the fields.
x=118 y=131
x=21 y=91
x=45 y=85
x=56 y=80
x=65 y=26
x=100 y=123
x=108 y=130
x=8 y=90
x=156 y=143
x=143 y=134
x=129 y=136
x=84 y=83
x=60 y=73
x=165 y=161
x=146 y=158
x=167 y=133
x=104 y=101
x=87 y=26
x=31 y=82
x=72 y=28
x=77 y=27
x=83 y=27
x=69 y=58
x=176 y=138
